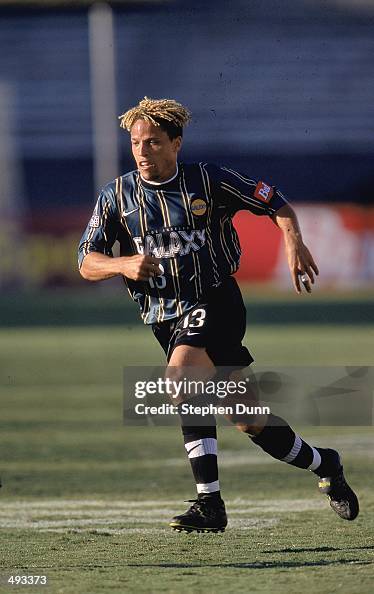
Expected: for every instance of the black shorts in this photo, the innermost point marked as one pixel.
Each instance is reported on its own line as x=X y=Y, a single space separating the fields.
x=217 y=323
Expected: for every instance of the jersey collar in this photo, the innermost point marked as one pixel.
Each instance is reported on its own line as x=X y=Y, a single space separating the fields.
x=154 y=184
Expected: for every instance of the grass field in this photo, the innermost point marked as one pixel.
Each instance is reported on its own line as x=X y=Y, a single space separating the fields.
x=86 y=501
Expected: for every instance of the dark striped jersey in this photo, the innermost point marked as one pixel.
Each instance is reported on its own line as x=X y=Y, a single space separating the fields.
x=185 y=222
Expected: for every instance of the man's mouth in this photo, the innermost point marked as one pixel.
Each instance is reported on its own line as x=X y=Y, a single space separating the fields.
x=146 y=164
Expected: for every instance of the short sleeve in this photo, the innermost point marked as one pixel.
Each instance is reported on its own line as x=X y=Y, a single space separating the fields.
x=101 y=231
x=237 y=191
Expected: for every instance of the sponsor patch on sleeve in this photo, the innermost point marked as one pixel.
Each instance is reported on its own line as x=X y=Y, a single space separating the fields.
x=94 y=221
x=263 y=192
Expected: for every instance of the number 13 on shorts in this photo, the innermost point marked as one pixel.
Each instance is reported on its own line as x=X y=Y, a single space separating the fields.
x=195 y=319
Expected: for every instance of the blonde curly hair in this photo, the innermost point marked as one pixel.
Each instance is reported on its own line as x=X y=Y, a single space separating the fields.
x=158 y=112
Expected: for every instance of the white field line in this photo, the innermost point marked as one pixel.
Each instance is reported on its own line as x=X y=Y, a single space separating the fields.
x=24 y=525
x=226 y=460
x=87 y=515
x=87 y=503
x=250 y=523
x=229 y=459
x=107 y=531
x=348 y=444
x=279 y=505
x=246 y=525
x=138 y=515
x=110 y=504
x=92 y=513
x=355 y=445
x=20 y=523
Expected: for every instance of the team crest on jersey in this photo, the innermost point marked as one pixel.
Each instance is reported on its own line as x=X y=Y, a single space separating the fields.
x=263 y=192
x=94 y=221
x=198 y=207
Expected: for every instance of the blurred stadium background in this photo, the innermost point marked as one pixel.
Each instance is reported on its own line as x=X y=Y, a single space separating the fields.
x=280 y=90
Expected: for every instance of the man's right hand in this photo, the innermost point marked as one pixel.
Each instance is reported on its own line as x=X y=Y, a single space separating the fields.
x=139 y=267
x=97 y=267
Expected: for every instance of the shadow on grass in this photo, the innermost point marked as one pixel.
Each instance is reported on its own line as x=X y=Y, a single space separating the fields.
x=255 y=565
x=318 y=549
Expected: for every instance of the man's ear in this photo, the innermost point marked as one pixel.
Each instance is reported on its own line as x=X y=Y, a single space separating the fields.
x=177 y=143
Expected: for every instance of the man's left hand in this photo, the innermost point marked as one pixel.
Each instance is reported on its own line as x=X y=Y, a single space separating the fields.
x=301 y=264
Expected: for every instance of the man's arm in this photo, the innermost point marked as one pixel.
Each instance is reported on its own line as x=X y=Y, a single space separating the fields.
x=237 y=191
x=95 y=248
x=300 y=260
x=97 y=266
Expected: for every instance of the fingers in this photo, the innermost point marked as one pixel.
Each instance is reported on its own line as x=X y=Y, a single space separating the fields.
x=306 y=282
x=151 y=260
x=151 y=270
x=302 y=267
x=302 y=278
x=152 y=265
x=306 y=271
x=142 y=268
x=296 y=281
x=148 y=271
x=314 y=266
x=309 y=264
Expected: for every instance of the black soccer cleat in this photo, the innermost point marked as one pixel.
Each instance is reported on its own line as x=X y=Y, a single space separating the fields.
x=204 y=515
x=343 y=500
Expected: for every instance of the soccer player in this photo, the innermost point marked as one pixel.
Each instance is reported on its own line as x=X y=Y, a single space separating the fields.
x=178 y=252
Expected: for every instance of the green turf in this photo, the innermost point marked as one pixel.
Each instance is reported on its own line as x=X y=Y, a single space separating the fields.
x=109 y=306
x=69 y=466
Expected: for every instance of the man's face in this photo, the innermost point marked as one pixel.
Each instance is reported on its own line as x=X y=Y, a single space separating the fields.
x=155 y=154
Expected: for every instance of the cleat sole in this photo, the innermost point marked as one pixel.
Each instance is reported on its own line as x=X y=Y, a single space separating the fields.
x=190 y=529
x=344 y=503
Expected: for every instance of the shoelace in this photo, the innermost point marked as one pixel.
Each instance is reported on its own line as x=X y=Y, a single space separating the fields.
x=201 y=506
x=340 y=486
x=198 y=505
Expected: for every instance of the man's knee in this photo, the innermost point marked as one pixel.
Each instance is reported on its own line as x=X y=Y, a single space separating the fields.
x=188 y=369
x=242 y=406
x=249 y=429
x=252 y=425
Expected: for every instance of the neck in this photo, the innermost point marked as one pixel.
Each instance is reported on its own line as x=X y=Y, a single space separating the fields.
x=165 y=181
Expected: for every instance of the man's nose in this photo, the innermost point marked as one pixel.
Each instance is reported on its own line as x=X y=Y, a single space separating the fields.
x=143 y=149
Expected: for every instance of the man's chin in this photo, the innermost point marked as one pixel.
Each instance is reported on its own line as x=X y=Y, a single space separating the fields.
x=149 y=175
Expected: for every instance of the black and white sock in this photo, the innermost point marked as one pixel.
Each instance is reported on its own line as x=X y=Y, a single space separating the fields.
x=201 y=447
x=281 y=442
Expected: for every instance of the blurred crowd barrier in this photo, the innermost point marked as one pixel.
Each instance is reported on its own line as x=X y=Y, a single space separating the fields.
x=341 y=239
x=280 y=90
x=42 y=251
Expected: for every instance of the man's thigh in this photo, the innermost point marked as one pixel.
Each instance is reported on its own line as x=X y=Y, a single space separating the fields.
x=185 y=355
x=191 y=364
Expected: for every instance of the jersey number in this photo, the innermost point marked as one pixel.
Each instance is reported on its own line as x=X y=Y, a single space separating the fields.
x=158 y=281
x=198 y=317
